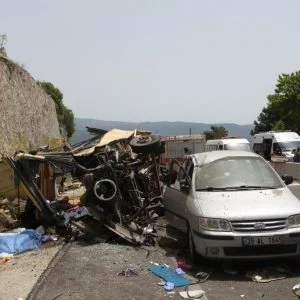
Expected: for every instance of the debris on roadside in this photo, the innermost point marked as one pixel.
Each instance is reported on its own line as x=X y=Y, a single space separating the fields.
x=113 y=178
x=5 y=257
x=184 y=265
x=168 y=285
x=179 y=271
x=128 y=272
x=192 y=294
x=8 y=214
x=267 y=274
x=169 y=275
x=171 y=293
x=202 y=276
x=296 y=290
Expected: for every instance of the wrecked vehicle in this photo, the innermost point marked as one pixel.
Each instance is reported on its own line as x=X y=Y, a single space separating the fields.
x=120 y=175
x=233 y=205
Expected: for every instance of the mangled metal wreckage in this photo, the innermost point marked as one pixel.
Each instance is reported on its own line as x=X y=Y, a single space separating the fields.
x=120 y=172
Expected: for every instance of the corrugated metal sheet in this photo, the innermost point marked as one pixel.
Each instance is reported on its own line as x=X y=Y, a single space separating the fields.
x=8 y=184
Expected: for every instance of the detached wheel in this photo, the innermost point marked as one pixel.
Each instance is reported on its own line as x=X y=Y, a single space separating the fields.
x=194 y=256
x=146 y=144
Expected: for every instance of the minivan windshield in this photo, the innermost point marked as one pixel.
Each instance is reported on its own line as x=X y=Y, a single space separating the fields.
x=236 y=173
x=289 y=146
x=238 y=146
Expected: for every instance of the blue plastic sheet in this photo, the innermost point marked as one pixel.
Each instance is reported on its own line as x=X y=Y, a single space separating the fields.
x=169 y=275
x=12 y=242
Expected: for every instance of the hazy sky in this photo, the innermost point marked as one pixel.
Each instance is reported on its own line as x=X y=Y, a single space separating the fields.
x=160 y=60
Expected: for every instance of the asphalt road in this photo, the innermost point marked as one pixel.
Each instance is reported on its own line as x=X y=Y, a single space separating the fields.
x=295 y=188
x=90 y=272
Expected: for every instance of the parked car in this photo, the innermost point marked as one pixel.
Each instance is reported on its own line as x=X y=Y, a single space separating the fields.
x=233 y=205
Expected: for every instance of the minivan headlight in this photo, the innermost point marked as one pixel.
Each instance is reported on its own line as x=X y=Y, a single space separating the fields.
x=294 y=221
x=214 y=224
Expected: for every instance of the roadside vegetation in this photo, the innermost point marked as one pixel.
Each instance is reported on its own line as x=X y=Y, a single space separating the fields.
x=65 y=115
x=215 y=132
x=283 y=108
x=3 y=40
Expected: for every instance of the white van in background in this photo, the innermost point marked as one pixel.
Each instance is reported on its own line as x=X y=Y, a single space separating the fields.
x=230 y=143
x=276 y=143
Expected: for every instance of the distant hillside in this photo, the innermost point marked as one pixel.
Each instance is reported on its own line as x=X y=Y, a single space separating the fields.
x=161 y=128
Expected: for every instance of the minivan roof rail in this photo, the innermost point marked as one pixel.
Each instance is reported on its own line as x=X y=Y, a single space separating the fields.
x=274 y=131
x=231 y=137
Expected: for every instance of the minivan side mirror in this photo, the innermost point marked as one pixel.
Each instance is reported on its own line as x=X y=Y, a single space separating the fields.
x=287 y=179
x=184 y=186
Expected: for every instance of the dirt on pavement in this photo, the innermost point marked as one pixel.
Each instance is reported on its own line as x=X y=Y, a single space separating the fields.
x=19 y=275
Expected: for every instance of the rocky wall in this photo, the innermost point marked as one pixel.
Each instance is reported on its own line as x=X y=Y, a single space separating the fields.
x=28 y=117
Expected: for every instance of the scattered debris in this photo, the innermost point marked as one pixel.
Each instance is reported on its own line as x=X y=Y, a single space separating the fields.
x=169 y=275
x=179 y=271
x=5 y=257
x=171 y=293
x=202 y=276
x=168 y=285
x=194 y=294
x=296 y=290
x=128 y=272
x=265 y=275
x=184 y=265
x=119 y=176
x=162 y=283
x=8 y=214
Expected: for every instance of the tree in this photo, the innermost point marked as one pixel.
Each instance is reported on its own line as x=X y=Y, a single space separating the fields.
x=65 y=116
x=215 y=132
x=266 y=120
x=3 y=40
x=283 y=108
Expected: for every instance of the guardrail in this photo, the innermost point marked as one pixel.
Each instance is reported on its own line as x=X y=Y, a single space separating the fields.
x=289 y=168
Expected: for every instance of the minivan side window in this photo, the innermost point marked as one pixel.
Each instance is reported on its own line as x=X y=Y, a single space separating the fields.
x=190 y=168
x=186 y=173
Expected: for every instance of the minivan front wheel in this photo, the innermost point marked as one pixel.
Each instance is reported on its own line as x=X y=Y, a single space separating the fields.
x=194 y=256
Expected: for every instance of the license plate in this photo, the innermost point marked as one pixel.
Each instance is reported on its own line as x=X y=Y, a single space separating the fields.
x=262 y=240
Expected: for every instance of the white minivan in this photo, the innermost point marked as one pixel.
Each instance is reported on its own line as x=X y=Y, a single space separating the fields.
x=233 y=205
x=228 y=144
x=276 y=143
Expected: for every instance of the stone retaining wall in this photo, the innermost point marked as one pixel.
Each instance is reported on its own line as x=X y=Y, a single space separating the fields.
x=28 y=117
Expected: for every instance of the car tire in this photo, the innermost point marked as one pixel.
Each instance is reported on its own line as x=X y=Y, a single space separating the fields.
x=194 y=256
x=146 y=144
